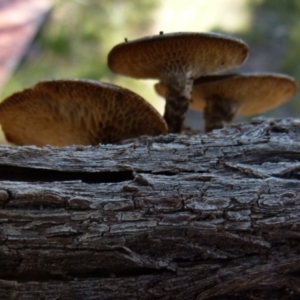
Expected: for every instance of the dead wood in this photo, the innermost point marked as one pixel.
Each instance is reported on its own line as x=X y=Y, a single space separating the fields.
x=212 y=216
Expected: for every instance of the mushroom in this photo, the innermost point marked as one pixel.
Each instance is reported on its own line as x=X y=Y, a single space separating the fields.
x=176 y=59
x=221 y=97
x=82 y=112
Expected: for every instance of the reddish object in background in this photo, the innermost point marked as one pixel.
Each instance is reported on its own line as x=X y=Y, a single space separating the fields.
x=19 y=23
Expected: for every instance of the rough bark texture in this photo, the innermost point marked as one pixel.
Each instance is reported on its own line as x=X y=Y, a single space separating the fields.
x=212 y=216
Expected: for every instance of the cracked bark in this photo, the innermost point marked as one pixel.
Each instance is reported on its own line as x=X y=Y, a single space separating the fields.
x=212 y=216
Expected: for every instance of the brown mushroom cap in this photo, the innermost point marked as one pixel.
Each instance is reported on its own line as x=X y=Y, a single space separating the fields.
x=251 y=93
x=67 y=112
x=159 y=56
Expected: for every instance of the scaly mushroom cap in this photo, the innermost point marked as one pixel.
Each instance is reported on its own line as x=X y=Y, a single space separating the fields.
x=67 y=112
x=159 y=56
x=250 y=93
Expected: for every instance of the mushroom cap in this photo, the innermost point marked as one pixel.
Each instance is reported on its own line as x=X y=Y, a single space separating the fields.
x=197 y=54
x=251 y=93
x=67 y=112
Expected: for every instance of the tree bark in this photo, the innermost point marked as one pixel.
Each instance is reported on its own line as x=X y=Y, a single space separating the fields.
x=211 y=216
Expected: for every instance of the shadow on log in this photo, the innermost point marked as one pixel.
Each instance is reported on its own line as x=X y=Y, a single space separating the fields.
x=212 y=216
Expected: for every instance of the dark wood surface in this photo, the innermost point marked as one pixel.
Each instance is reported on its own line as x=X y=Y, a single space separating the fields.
x=171 y=217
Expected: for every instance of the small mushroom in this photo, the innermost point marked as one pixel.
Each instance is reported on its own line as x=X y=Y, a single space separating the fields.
x=82 y=112
x=221 y=97
x=175 y=59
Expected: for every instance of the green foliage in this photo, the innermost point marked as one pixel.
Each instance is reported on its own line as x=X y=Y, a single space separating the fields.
x=276 y=24
x=77 y=37
x=283 y=8
x=280 y=22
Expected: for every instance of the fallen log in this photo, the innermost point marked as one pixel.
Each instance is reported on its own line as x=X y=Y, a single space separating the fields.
x=211 y=216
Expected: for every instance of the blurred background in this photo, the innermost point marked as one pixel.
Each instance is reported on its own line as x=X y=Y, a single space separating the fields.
x=75 y=36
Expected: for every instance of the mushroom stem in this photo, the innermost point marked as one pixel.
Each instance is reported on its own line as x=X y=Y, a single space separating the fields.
x=178 y=96
x=218 y=113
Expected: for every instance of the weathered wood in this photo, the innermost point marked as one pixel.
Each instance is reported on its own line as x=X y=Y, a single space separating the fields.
x=171 y=217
